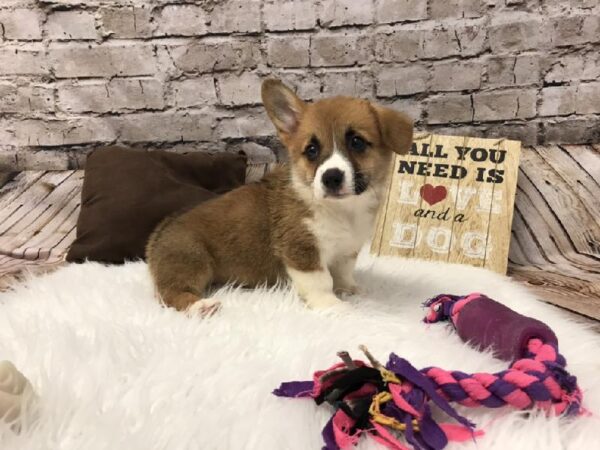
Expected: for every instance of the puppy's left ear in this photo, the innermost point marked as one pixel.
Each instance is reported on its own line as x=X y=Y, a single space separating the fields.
x=283 y=107
x=396 y=129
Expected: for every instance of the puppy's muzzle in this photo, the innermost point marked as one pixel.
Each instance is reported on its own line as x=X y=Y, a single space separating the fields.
x=333 y=180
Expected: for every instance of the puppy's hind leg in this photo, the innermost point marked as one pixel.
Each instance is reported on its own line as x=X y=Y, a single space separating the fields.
x=205 y=307
x=182 y=276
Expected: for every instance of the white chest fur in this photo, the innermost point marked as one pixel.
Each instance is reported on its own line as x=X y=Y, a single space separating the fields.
x=341 y=226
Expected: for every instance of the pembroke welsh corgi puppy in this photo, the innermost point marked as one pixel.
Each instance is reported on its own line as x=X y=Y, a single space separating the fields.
x=305 y=221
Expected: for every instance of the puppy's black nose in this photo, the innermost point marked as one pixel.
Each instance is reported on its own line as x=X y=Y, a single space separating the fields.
x=333 y=179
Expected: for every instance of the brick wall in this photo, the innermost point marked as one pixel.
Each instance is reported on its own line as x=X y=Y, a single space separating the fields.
x=185 y=74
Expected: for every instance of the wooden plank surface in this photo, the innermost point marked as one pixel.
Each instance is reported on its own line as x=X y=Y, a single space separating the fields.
x=586 y=158
x=40 y=202
x=555 y=246
x=554 y=251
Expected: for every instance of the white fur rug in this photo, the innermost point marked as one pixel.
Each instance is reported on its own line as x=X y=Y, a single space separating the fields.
x=115 y=370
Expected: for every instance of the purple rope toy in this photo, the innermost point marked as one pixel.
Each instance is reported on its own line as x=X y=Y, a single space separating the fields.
x=387 y=401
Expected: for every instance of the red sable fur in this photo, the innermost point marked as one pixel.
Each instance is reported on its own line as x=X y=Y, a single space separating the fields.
x=251 y=234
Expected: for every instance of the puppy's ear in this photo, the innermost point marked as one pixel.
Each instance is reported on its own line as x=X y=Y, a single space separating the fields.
x=396 y=129
x=283 y=106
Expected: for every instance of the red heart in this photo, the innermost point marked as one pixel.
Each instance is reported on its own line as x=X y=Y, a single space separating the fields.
x=433 y=195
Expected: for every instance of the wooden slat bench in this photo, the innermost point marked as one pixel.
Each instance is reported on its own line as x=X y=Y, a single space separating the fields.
x=555 y=246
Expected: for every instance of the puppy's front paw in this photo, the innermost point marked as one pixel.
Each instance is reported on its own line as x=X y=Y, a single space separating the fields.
x=322 y=301
x=206 y=307
x=351 y=289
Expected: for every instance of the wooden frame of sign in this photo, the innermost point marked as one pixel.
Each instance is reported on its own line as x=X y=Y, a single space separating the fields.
x=451 y=199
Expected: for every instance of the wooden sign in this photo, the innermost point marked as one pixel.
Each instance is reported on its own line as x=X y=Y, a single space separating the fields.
x=451 y=199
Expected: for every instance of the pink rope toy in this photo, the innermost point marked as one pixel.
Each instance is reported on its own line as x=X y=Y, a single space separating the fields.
x=384 y=401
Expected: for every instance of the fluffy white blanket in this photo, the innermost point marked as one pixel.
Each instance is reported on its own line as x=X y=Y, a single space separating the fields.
x=115 y=370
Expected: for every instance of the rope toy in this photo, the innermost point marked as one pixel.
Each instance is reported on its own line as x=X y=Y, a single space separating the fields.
x=396 y=399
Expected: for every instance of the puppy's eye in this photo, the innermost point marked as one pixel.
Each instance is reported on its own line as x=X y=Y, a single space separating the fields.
x=311 y=151
x=357 y=143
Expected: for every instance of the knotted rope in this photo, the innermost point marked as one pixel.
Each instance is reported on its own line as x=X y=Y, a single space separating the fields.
x=383 y=401
x=537 y=379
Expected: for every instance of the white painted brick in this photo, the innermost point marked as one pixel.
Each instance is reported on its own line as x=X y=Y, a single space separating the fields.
x=472 y=37
x=64 y=25
x=353 y=83
x=577 y=29
x=449 y=108
x=456 y=75
x=8 y=156
x=241 y=89
x=306 y=84
x=288 y=51
x=526 y=132
x=503 y=105
x=7 y=135
x=75 y=2
x=575 y=130
x=417 y=53
x=102 y=60
x=564 y=6
x=43 y=160
x=284 y=15
x=25 y=99
x=346 y=12
x=21 y=24
x=164 y=127
x=513 y=32
x=194 y=92
x=441 y=9
x=574 y=66
x=83 y=130
x=410 y=106
x=393 y=81
x=182 y=20
x=343 y=49
x=116 y=95
x=29 y=60
x=588 y=96
x=527 y=69
x=189 y=147
x=235 y=16
x=127 y=22
x=558 y=101
x=8 y=97
x=440 y=42
x=389 y=11
x=513 y=70
x=18 y=3
x=255 y=124
x=399 y=46
x=218 y=54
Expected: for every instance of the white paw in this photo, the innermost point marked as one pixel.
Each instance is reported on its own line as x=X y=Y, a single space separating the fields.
x=206 y=307
x=11 y=380
x=323 y=301
x=16 y=393
x=349 y=289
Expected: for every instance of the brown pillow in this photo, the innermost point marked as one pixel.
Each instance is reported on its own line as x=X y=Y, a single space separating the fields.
x=126 y=193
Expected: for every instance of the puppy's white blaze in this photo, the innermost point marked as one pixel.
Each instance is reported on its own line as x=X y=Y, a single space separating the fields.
x=336 y=161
